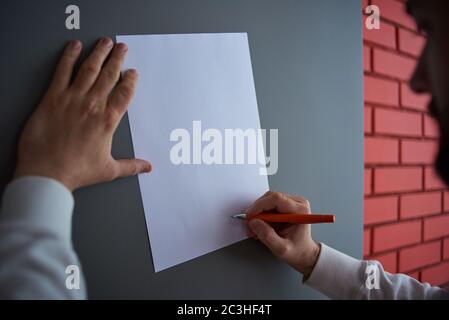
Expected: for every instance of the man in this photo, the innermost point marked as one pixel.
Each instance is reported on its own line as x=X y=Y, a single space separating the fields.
x=67 y=144
x=327 y=270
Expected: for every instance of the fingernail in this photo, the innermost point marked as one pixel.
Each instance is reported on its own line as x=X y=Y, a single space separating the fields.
x=74 y=44
x=131 y=72
x=122 y=47
x=106 y=41
x=146 y=168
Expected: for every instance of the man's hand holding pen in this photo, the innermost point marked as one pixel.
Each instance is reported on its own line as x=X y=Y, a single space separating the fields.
x=291 y=243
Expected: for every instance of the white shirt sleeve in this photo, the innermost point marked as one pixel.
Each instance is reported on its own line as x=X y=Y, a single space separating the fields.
x=35 y=241
x=340 y=276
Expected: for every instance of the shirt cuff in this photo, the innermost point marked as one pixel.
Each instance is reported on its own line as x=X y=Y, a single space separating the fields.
x=39 y=202
x=336 y=274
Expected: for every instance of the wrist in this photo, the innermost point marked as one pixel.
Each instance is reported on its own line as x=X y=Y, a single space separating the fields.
x=308 y=259
x=22 y=171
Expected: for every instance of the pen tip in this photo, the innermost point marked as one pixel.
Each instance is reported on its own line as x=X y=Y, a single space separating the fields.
x=239 y=216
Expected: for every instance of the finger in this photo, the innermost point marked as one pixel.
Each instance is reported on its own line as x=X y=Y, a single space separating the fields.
x=296 y=197
x=249 y=232
x=278 y=201
x=301 y=200
x=131 y=167
x=269 y=192
x=110 y=73
x=269 y=237
x=262 y=196
x=91 y=67
x=64 y=69
x=284 y=232
x=293 y=197
x=123 y=93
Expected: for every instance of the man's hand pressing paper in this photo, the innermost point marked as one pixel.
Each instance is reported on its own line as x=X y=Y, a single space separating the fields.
x=290 y=243
x=69 y=136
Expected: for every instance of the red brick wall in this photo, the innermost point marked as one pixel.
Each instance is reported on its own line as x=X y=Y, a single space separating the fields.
x=406 y=205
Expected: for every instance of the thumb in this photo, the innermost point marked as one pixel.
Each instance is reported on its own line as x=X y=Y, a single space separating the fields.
x=268 y=237
x=131 y=167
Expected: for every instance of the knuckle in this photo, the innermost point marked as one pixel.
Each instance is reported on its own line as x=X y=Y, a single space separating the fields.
x=134 y=168
x=90 y=104
x=302 y=208
x=112 y=118
x=69 y=56
x=126 y=91
x=89 y=69
x=268 y=193
x=109 y=123
x=305 y=202
x=111 y=75
x=278 y=196
x=300 y=198
x=67 y=60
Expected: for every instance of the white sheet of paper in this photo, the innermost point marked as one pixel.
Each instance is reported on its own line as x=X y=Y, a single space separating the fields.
x=184 y=78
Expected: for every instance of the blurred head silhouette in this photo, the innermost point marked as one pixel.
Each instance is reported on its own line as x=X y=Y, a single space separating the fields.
x=432 y=71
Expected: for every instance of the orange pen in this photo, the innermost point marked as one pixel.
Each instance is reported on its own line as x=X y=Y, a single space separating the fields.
x=292 y=218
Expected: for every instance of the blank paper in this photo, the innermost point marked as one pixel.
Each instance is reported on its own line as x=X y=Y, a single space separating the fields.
x=185 y=78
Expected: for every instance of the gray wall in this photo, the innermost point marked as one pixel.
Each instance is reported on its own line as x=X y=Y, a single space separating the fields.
x=307 y=66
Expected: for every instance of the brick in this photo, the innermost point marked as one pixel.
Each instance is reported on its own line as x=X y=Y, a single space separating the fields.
x=396 y=235
x=436 y=275
x=366 y=242
x=395 y=11
x=419 y=256
x=388 y=261
x=431 y=129
x=413 y=100
x=368 y=175
x=414 y=275
x=393 y=65
x=368 y=120
x=432 y=180
x=420 y=204
x=397 y=179
x=380 y=209
x=436 y=227
x=446 y=249
x=366 y=58
x=411 y=42
x=381 y=150
x=446 y=201
x=364 y=4
x=397 y=122
x=381 y=91
x=414 y=151
x=385 y=36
